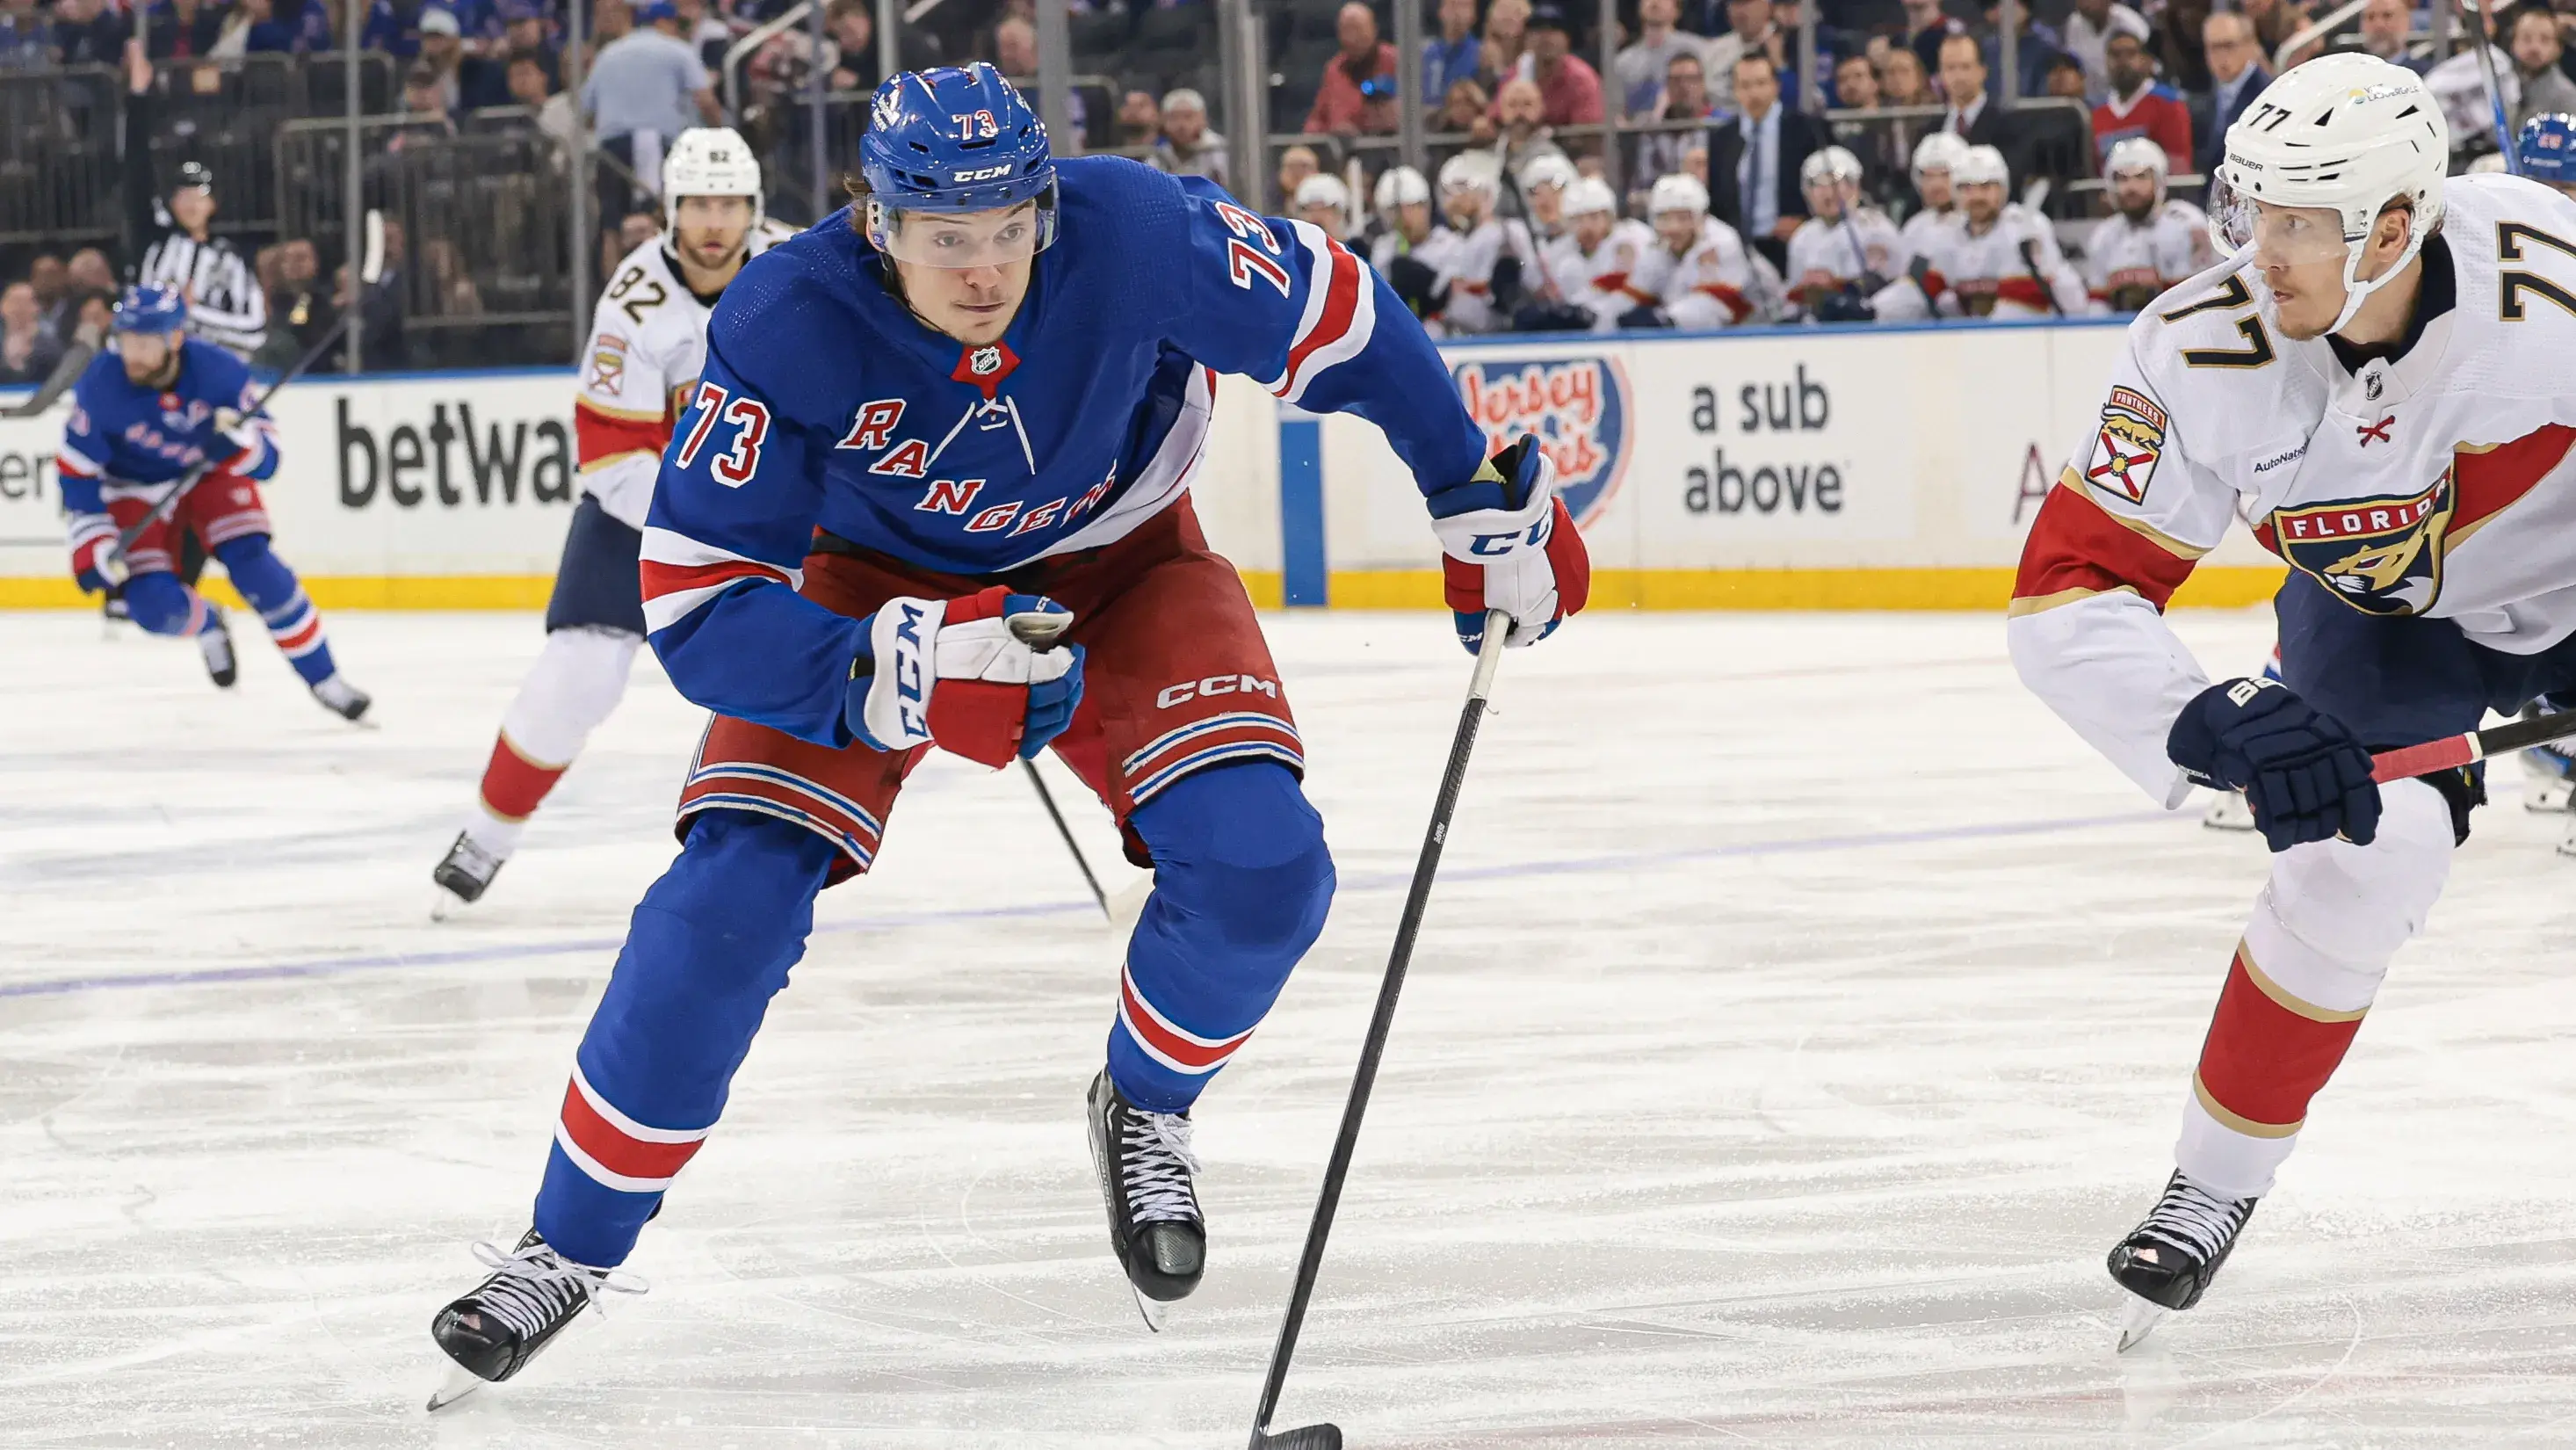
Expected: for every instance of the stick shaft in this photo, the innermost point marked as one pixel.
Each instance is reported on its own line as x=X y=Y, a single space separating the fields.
x=2455 y=751
x=1047 y=798
x=1408 y=927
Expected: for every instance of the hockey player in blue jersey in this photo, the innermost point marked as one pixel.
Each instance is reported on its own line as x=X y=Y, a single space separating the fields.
x=933 y=430
x=147 y=416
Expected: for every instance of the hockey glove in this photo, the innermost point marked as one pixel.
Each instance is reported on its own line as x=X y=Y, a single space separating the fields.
x=2303 y=774
x=1645 y=315
x=1848 y=305
x=1510 y=545
x=1418 y=286
x=1506 y=283
x=955 y=673
x=95 y=567
x=1552 y=317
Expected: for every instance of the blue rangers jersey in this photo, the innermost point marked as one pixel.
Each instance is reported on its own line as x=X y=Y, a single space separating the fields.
x=826 y=403
x=124 y=441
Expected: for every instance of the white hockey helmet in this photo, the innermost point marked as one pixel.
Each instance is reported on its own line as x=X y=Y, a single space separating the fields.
x=1980 y=166
x=1476 y=171
x=1547 y=169
x=1321 y=189
x=1401 y=186
x=2348 y=133
x=710 y=161
x=1939 y=151
x=1834 y=163
x=1680 y=191
x=1590 y=195
x=2135 y=154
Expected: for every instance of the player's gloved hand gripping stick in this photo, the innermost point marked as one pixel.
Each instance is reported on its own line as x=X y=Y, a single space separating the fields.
x=978 y=676
x=1510 y=547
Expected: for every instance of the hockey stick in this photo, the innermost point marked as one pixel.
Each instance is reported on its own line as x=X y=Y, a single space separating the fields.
x=2407 y=762
x=1409 y=926
x=370 y=269
x=2495 y=88
x=1047 y=798
x=2047 y=284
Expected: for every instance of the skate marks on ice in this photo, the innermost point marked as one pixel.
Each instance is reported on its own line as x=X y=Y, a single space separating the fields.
x=1755 y=1085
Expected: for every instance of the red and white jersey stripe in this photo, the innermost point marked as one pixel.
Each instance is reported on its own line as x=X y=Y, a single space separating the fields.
x=1339 y=318
x=679 y=574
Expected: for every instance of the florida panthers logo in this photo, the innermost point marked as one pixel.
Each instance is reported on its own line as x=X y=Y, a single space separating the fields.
x=2379 y=555
x=2129 y=440
x=1577 y=407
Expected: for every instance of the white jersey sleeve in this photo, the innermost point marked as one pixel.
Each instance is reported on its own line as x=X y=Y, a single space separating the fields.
x=1605 y=282
x=1711 y=285
x=1472 y=305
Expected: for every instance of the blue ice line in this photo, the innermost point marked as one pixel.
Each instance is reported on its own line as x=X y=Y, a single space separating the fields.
x=1380 y=881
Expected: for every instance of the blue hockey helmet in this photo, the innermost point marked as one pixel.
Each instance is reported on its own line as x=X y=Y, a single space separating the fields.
x=957 y=141
x=150 y=309
x=2547 y=148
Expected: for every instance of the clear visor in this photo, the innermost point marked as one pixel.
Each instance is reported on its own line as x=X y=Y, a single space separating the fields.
x=961 y=240
x=2281 y=236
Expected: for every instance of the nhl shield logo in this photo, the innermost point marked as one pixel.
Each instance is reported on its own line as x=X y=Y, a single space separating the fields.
x=985 y=362
x=1577 y=407
x=2379 y=555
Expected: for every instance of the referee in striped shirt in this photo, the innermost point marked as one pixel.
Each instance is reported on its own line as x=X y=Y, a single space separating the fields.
x=177 y=250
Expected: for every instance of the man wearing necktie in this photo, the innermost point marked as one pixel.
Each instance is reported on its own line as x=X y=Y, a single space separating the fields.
x=1754 y=161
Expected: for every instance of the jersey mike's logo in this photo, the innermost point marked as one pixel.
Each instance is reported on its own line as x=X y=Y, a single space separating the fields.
x=1577 y=408
x=2379 y=555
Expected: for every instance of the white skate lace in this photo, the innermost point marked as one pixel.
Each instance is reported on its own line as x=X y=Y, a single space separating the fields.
x=536 y=1286
x=2191 y=1218
x=1155 y=1153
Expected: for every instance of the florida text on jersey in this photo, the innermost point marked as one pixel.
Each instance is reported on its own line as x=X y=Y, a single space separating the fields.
x=825 y=403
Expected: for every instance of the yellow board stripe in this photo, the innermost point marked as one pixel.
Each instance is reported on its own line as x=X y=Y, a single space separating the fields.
x=1987 y=590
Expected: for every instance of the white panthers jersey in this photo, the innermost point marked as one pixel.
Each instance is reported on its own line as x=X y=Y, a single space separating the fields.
x=1987 y=274
x=2127 y=263
x=1709 y=285
x=1471 y=306
x=1438 y=251
x=1918 y=233
x=1826 y=256
x=1603 y=281
x=2439 y=485
x=648 y=343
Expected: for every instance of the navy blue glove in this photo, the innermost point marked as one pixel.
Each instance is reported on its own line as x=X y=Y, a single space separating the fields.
x=2304 y=775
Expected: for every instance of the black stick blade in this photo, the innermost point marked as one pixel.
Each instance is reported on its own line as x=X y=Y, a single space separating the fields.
x=1307 y=1437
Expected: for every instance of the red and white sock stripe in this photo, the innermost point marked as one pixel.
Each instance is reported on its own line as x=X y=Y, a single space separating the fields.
x=297 y=627
x=614 y=1149
x=1165 y=1041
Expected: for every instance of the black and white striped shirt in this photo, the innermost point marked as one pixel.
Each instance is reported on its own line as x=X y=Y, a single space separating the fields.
x=225 y=303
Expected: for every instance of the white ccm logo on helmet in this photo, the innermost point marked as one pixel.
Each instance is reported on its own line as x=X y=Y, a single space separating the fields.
x=986 y=173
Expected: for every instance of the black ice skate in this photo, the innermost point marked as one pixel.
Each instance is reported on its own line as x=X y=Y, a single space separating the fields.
x=343 y=699
x=2168 y=1261
x=1146 y=1169
x=215 y=642
x=463 y=875
x=492 y=1333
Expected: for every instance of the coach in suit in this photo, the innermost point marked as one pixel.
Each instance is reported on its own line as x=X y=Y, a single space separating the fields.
x=1974 y=115
x=1753 y=161
x=2236 y=77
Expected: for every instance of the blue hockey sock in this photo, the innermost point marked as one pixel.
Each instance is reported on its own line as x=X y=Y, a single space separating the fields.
x=708 y=947
x=159 y=604
x=271 y=588
x=1242 y=880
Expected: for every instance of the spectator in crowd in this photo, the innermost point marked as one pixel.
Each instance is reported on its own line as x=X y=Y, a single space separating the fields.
x=2236 y=77
x=2181 y=54
x=1451 y=56
x=854 y=47
x=425 y=116
x=1902 y=80
x=299 y=311
x=1753 y=164
x=51 y=281
x=1015 y=54
x=1357 y=94
x=2275 y=21
x=1295 y=165
x=2065 y=80
x=2035 y=50
x=449 y=285
x=1643 y=69
x=380 y=316
x=1972 y=115
x=1140 y=121
x=1521 y=114
x=1879 y=147
x=1926 y=26
x=636 y=228
x=289 y=27
x=610 y=20
x=183 y=29
x=87 y=272
x=2087 y=37
x=650 y=82
x=523 y=32
x=27 y=351
x=1752 y=29
x=1695 y=165
x=442 y=52
x=529 y=88
x=1501 y=53
x=1465 y=108
x=1569 y=88
x=26 y=36
x=1188 y=147
x=2533 y=34
x=2384 y=28
x=88 y=32
x=1685 y=98
x=2137 y=105
x=702 y=27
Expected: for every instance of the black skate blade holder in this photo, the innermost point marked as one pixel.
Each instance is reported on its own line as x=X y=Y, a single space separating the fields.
x=1308 y=1437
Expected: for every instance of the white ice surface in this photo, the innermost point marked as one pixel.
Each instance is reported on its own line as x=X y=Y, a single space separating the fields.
x=1802 y=1016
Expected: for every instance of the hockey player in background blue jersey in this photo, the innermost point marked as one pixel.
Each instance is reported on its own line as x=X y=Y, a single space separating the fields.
x=147 y=415
x=942 y=422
